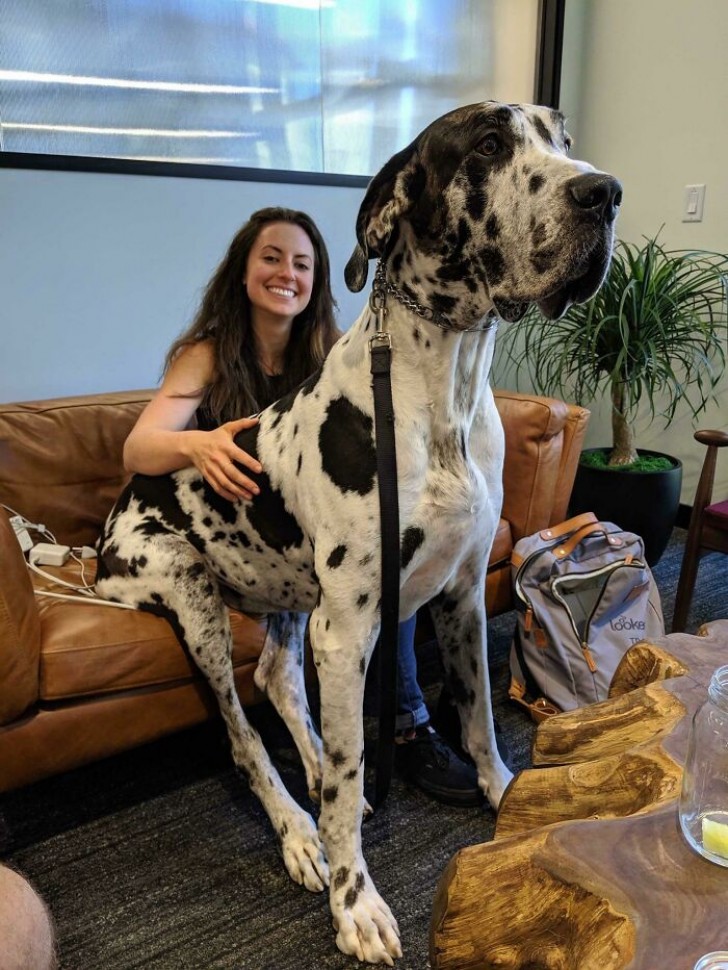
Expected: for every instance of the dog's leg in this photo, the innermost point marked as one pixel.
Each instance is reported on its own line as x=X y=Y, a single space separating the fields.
x=460 y=623
x=173 y=582
x=342 y=646
x=280 y=675
x=300 y=843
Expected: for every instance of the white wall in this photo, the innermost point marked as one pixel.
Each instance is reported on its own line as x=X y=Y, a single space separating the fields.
x=99 y=273
x=653 y=111
x=645 y=86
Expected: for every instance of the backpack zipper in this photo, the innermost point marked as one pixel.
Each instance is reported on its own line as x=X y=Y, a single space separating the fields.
x=628 y=563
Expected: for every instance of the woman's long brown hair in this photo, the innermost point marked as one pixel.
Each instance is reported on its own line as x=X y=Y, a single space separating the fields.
x=239 y=386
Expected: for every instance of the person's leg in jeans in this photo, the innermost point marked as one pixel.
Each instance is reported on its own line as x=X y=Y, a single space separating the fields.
x=411 y=708
x=423 y=756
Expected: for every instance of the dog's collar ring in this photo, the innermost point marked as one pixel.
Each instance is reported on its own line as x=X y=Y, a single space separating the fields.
x=378 y=298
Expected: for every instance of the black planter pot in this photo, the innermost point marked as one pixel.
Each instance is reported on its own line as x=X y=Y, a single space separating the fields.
x=645 y=503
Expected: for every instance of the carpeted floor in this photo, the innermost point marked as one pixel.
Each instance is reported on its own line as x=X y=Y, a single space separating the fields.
x=161 y=858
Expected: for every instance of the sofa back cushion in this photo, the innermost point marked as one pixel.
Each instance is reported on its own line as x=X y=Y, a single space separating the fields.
x=543 y=439
x=61 y=460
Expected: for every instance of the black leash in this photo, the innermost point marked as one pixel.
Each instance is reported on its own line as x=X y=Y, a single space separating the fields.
x=381 y=360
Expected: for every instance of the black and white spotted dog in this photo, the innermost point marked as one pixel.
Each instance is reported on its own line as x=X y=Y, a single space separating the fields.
x=482 y=215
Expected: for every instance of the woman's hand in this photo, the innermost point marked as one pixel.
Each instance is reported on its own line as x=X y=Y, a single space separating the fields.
x=214 y=454
x=165 y=438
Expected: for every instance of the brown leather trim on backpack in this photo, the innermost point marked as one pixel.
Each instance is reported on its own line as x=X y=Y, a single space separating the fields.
x=566 y=548
x=540 y=709
x=560 y=531
x=570 y=525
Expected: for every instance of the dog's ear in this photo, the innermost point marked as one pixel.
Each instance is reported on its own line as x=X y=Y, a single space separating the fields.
x=356 y=270
x=390 y=194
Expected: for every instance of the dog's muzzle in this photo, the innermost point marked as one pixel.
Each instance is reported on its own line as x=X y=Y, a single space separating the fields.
x=593 y=200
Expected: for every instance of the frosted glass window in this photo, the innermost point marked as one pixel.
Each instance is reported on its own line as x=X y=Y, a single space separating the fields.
x=325 y=86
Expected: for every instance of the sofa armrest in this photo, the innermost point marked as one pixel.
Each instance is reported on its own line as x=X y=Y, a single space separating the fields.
x=19 y=629
x=61 y=459
x=543 y=439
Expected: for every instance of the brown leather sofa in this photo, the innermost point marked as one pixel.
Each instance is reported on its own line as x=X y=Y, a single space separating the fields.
x=81 y=681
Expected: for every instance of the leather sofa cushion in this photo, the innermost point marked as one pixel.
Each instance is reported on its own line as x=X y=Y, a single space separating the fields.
x=19 y=629
x=92 y=650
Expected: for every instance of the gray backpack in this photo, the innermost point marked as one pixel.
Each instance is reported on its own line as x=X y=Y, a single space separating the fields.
x=584 y=594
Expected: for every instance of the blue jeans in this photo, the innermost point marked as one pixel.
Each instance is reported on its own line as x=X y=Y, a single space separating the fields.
x=411 y=708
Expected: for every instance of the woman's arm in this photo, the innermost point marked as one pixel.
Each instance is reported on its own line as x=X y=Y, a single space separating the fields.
x=163 y=439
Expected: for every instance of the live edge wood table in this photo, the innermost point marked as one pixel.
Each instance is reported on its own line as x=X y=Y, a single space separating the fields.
x=615 y=887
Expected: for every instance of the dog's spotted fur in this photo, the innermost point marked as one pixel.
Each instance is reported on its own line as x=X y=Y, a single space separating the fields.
x=483 y=211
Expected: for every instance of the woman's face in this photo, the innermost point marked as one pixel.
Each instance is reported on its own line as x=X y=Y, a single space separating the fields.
x=280 y=271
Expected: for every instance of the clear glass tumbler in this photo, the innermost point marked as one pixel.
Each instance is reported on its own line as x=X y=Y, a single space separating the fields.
x=717 y=960
x=703 y=806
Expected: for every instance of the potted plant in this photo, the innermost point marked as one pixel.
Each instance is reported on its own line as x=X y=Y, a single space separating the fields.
x=654 y=335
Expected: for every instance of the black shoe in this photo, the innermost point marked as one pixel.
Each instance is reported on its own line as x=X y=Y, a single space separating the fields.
x=447 y=721
x=427 y=762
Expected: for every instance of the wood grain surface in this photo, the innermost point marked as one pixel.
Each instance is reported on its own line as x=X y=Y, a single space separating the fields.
x=588 y=869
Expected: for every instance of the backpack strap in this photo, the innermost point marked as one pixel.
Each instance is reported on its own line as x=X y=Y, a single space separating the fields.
x=557 y=532
x=565 y=549
x=540 y=710
x=532 y=687
x=563 y=529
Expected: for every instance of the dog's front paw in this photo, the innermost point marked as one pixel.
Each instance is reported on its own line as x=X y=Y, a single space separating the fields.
x=364 y=923
x=494 y=780
x=303 y=853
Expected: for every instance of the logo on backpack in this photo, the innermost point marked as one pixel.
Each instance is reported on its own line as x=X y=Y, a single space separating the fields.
x=623 y=623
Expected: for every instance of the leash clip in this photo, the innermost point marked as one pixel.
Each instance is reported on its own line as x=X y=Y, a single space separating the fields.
x=378 y=306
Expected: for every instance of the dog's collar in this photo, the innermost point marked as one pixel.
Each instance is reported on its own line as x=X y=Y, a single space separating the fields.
x=382 y=287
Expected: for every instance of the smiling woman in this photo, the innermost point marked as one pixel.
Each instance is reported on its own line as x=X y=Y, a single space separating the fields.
x=265 y=324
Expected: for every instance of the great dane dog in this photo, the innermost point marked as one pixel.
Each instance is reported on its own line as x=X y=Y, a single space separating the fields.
x=482 y=215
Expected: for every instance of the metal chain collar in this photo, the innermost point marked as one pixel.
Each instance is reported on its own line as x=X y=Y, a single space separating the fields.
x=382 y=287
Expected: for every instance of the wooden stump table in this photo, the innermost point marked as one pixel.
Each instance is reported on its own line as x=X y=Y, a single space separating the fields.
x=588 y=869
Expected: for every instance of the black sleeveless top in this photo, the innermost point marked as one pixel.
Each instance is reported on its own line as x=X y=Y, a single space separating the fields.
x=206 y=422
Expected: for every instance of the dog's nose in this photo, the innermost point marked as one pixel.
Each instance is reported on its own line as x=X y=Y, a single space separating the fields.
x=597 y=193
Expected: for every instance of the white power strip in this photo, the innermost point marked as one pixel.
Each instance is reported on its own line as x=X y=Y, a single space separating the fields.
x=54 y=554
x=20 y=525
x=49 y=554
x=23 y=537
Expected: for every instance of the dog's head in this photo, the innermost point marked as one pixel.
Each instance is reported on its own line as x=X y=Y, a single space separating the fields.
x=486 y=209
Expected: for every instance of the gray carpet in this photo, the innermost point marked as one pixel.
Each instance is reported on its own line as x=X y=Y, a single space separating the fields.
x=161 y=858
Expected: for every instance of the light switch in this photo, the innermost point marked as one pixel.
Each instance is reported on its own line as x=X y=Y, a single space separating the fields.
x=693 y=203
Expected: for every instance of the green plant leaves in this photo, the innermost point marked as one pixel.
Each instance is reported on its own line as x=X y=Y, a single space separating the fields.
x=657 y=329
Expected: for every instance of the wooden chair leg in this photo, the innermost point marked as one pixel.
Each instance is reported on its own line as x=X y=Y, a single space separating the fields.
x=684 y=595
x=688 y=574
x=691 y=557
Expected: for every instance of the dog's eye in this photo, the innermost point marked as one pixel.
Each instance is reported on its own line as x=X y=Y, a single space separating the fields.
x=490 y=145
x=568 y=143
